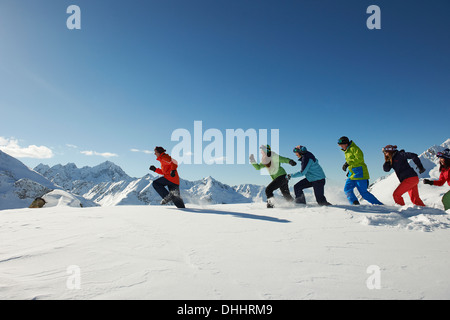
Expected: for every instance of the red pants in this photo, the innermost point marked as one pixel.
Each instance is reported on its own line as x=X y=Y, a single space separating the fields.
x=408 y=185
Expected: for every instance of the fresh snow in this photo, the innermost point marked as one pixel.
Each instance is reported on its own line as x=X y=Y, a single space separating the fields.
x=233 y=251
x=212 y=250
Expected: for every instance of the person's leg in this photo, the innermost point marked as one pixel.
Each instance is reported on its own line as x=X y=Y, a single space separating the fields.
x=405 y=186
x=298 y=190
x=274 y=185
x=319 y=192
x=362 y=186
x=446 y=201
x=160 y=186
x=271 y=187
x=414 y=192
x=398 y=192
x=348 y=189
x=284 y=188
x=176 y=196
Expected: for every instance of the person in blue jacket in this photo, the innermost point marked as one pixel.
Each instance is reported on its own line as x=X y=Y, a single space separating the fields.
x=314 y=177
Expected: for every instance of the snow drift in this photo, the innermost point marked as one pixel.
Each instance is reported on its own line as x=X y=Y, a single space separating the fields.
x=235 y=251
x=225 y=251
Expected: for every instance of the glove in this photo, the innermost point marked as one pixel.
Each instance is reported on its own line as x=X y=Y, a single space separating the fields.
x=252 y=159
x=288 y=177
x=172 y=173
x=422 y=170
x=428 y=181
x=153 y=168
x=292 y=163
x=345 y=166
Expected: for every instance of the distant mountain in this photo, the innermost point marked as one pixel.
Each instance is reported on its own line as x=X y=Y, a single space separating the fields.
x=252 y=191
x=19 y=185
x=209 y=190
x=108 y=185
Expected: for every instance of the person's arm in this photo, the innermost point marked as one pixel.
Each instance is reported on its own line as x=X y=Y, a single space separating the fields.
x=441 y=180
x=416 y=160
x=286 y=160
x=257 y=166
x=304 y=171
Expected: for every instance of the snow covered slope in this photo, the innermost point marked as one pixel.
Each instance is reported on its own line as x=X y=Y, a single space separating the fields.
x=19 y=185
x=239 y=251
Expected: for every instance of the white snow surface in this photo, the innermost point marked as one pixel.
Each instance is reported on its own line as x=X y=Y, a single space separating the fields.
x=61 y=198
x=212 y=250
x=224 y=251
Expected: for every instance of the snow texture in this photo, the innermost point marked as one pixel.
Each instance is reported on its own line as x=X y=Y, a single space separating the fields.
x=212 y=250
x=233 y=251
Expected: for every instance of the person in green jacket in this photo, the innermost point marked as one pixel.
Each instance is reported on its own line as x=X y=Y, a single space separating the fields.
x=358 y=174
x=272 y=161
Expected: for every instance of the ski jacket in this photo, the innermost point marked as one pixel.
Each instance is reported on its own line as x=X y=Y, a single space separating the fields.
x=443 y=177
x=274 y=167
x=401 y=166
x=167 y=165
x=355 y=160
x=311 y=168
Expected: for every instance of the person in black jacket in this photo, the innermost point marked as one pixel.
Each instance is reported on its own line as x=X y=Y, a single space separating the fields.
x=398 y=160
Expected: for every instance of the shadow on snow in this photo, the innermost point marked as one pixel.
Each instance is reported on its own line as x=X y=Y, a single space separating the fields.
x=236 y=214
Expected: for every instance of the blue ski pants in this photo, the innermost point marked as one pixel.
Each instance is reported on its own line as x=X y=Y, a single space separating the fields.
x=362 y=186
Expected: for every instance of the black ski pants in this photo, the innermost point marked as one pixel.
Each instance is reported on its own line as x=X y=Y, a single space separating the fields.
x=279 y=183
x=318 y=187
x=174 y=195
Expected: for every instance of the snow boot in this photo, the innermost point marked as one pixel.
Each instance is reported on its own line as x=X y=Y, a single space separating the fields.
x=270 y=203
x=166 y=200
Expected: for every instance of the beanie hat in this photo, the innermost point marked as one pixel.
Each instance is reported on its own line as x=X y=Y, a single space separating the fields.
x=300 y=149
x=344 y=140
x=160 y=149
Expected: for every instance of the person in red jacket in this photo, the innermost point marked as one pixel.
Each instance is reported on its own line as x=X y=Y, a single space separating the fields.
x=170 y=179
x=444 y=159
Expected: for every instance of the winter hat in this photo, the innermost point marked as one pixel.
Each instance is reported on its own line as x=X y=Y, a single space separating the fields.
x=344 y=140
x=300 y=149
x=389 y=148
x=444 y=154
x=160 y=149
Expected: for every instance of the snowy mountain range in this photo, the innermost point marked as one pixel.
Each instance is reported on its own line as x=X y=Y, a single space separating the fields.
x=108 y=185
x=20 y=185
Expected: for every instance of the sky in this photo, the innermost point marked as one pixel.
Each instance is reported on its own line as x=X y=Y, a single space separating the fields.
x=139 y=70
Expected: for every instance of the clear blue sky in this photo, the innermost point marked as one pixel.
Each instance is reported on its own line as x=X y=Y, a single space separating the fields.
x=139 y=69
